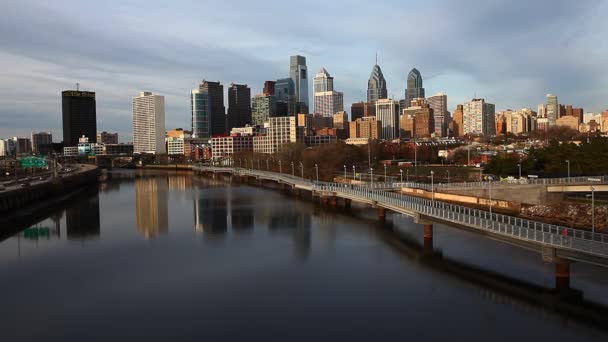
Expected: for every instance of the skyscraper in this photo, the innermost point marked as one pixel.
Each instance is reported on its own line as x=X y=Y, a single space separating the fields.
x=387 y=112
x=298 y=72
x=264 y=107
x=200 y=105
x=79 y=116
x=41 y=138
x=327 y=101
x=414 y=86
x=239 y=106
x=479 y=118
x=149 y=123
x=458 y=122
x=439 y=104
x=376 y=86
x=285 y=92
x=552 y=109
x=217 y=111
x=269 y=87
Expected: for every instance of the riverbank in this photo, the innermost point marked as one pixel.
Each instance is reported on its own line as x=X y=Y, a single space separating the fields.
x=22 y=198
x=165 y=167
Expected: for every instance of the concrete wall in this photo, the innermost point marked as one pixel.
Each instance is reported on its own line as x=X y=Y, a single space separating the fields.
x=518 y=193
x=471 y=201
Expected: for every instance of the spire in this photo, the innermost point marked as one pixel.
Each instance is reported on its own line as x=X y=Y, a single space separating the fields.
x=376 y=57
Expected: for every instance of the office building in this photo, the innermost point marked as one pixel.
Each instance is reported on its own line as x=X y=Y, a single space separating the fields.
x=217 y=111
x=118 y=149
x=341 y=120
x=223 y=147
x=79 y=116
x=239 y=106
x=264 y=108
x=439 y=104
x=107 y=138
x=285 y=95
x=176 y=142
x=269 y=87
x=298 y=72
x=280 y=131
x=376 y=85
x=479 y=118
x=417 y=122
x=414 y=86
x=327 y=101
x=567 y=121
x=365 y=128
x=361 y=109
x=458 y=122
x=387 y=112
x=149 y=123
x=40 y=138
x=200 y=105
x=323 y=81
x=552 y=109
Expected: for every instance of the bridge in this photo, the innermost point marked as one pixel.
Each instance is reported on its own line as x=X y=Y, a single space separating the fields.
x=557 y=244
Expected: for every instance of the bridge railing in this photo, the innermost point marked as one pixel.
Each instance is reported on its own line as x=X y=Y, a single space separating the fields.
x=519 y=228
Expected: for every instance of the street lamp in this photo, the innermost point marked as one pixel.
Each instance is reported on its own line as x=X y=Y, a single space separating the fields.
x=568 y=162
x=401 y=172
x=354 y=172
x=344 y=172
x=317 y=171
x=371 y=176
x=267 y=165
x=407 y=175
x=385 y=172
x=490 y=196
x=448 y=171
x=593 y=210
x=432 y=185
x=519 y=167
x=293 y=170
x=302 y=169
x=280 y=169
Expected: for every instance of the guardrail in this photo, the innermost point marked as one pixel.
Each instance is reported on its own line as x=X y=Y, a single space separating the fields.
x=515 y=227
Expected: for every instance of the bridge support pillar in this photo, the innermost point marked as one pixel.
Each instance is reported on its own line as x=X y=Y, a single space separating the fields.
x=428 y=237
x=562 y=276
x=347 y=203
x=325 y=200
x=382 y=214
x=333 y=201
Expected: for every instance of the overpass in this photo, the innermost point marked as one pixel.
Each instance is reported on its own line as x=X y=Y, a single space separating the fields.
x=555 y=243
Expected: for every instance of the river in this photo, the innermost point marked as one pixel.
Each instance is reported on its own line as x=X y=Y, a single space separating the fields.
x=165 y=254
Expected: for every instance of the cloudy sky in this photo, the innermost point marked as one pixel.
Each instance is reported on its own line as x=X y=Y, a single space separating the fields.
x=511 y=53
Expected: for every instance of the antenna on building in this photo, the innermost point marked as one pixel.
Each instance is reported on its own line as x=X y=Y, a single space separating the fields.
x=376 y=57
x=77 y=86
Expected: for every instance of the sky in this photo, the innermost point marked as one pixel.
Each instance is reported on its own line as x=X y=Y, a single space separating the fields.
x=512 y=53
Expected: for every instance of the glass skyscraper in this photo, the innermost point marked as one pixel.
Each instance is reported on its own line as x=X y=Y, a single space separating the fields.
x=201 y=113
x=298 y=72
x=376 y=86
x=414 y=87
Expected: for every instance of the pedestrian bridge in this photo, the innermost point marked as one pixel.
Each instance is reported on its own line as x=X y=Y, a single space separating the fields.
x=555 y=243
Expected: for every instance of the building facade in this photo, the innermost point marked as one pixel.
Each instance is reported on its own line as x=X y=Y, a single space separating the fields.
x=479 y=118
x=387 y=112
x=417 y=122
x=298 y=72
x=365 y=128
x=285 y=94
x=264 y=108
x=552 y=109
x=223 y=147
x=328 y=103
x=176 y=142
x=439 y=104
x=200 y=105
x=149 y=123
x=40 y=138
x=280 y=131
x=79 y=113
x=376 y=86
x=239 y=106
x=107 y=138
x=414 y=86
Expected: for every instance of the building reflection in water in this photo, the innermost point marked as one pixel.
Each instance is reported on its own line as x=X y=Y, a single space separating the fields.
x=297 y=225
x=210 y=215
x=152 y=205
x=82 y=219
x=241 y=213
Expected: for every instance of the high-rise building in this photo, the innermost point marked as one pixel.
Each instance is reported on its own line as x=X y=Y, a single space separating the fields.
x=542 y=110
x=387 y=112
x=458 y=122
x=264 y=108
x=239 y=106
x=341 y=120
x=365 y=127
x=439 y=104
x=269 y=87
x=218 y=111
x=417 y=122
x=552 y=109
x=298 y=72
x=149 y=123
x=323 y=81
x=414 y=86
x=200 y=105
x=40 y=138
x=479 y=118
x=567 y=121
x=376 y=86
x=79 y=116
x=176 y=142
x=361 y=109
x=280 y=131
x=21 y=146
x=327 y=100
x=285 y=92
x=107 y=138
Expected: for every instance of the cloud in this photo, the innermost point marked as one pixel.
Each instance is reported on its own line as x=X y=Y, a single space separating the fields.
x=511 y=53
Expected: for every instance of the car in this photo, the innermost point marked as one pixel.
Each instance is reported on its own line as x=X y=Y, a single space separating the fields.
x=24 y=185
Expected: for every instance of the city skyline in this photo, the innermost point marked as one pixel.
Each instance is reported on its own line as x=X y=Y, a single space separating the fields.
x=47 y=60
